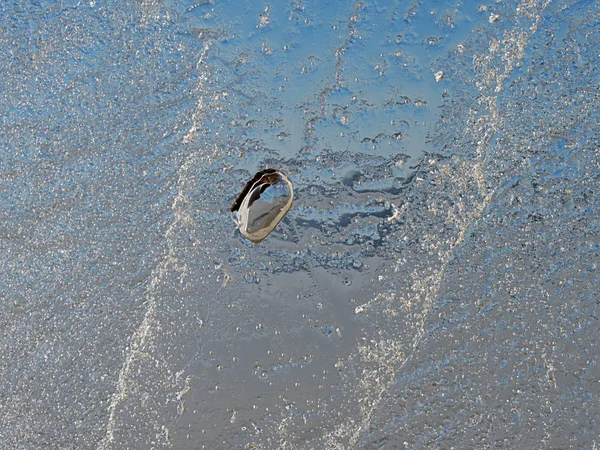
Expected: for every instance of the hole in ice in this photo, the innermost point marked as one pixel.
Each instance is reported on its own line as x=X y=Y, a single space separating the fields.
x=263 y=202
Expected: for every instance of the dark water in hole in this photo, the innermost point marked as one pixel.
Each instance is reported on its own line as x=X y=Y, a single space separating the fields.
x=435 y=284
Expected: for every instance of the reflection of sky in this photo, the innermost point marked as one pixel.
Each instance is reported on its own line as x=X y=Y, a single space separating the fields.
x=316 y=77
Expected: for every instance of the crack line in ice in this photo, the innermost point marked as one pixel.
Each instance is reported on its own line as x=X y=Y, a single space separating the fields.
x=515 y=42
x=148 y=325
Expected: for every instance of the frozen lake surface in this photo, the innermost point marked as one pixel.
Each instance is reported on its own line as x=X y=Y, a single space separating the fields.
x=435 y=284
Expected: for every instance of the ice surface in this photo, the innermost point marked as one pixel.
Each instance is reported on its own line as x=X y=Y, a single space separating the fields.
x=434 y=286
